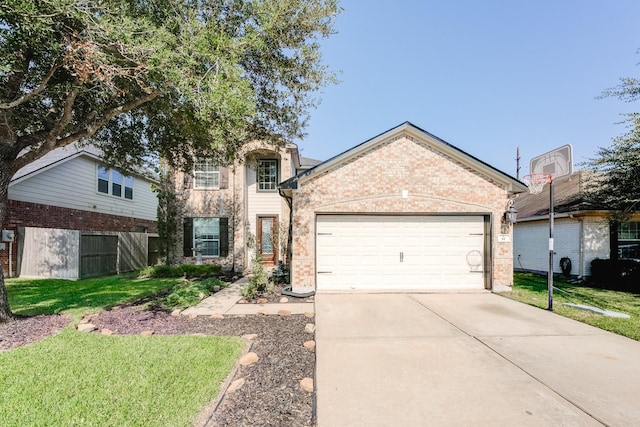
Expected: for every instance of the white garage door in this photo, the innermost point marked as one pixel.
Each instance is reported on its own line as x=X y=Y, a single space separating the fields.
x=399 y=252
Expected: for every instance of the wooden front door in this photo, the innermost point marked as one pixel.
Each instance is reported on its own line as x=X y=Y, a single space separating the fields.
x=267 y=239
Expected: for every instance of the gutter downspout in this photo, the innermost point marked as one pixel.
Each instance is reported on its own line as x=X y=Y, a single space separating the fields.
x=287 y=290
x=289 y=201
x=233 y=220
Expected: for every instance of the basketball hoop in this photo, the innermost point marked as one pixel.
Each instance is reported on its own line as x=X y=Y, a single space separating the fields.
x=536 y=182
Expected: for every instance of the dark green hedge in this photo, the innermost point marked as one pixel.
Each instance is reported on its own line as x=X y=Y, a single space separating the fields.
x=621 y=275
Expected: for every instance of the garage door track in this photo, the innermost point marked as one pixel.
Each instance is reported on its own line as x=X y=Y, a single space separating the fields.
x=467 y=359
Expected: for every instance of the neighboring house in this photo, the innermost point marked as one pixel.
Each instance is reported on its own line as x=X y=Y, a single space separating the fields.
x=581 y=231
x=229 y=213
x=71 y=188
x=404 y=210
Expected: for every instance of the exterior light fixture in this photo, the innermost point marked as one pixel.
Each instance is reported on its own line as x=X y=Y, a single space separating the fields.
x=511 y=214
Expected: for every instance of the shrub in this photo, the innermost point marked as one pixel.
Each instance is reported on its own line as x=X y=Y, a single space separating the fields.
x=159 y=271
x=186 y=294
x=621 y=275
x=258 y=280
x=204 y=270
x=186 y=270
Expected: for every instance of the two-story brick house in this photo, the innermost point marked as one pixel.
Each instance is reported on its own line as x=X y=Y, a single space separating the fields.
x=228 y=213
x=404 y=210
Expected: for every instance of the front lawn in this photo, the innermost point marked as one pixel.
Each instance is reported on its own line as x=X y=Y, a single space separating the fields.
x=30 y=297
x=532 y=289
x=76 y=378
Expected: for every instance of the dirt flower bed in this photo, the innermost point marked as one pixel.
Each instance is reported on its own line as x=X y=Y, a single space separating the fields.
x=271 y=393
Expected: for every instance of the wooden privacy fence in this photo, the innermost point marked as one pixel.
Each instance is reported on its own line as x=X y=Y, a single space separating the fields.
x=98 y=255
x=73 y=254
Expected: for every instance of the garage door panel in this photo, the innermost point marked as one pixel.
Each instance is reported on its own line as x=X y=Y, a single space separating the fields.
x=399 y=252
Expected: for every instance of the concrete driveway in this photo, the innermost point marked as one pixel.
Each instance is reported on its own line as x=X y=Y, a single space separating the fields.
x=473 y=359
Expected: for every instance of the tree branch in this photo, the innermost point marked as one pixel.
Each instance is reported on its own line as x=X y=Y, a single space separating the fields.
x=52 y=141
x=28 y=96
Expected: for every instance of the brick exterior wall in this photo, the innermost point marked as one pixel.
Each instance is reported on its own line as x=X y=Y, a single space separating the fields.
x=24 y=214
x=373 y=182
x=230 y=201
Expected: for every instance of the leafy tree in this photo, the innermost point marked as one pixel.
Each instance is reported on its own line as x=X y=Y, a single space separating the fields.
x=141 y=78
x=615 y=181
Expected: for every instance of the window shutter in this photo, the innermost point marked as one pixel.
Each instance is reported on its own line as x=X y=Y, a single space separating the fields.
x=188 y=236
x=224 y=237
x=224 y=177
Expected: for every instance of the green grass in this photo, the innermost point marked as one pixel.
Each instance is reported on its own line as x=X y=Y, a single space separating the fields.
x=76 y=378
x=532 y=289
x=29 y=297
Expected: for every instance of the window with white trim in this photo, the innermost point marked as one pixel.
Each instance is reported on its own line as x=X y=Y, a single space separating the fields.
x=629 y=240
x=115 y=183
x=267 y=174
x=206 y=236
x=206 y=174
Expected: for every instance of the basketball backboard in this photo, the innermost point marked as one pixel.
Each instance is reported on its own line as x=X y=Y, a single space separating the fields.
x=557 y=163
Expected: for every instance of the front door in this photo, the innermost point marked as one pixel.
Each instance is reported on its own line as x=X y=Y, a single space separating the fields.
x=267 y=239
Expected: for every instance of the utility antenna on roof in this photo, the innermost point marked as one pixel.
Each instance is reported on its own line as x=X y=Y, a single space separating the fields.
x=518 y=163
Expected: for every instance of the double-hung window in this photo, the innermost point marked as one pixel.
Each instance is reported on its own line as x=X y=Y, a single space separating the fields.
x=206 y=174
x=629 y=240
x=206 y=236
x=267 y=174
x=115 y=183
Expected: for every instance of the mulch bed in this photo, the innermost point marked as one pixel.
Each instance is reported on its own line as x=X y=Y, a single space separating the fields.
x=271 y=394
x=27 y=330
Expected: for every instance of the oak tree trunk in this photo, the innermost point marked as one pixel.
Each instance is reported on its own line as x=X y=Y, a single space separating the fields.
x=5 y=178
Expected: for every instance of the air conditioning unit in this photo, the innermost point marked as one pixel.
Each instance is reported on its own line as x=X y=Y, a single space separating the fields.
x=8 y=235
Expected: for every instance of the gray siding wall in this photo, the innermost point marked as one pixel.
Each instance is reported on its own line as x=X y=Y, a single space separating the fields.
x=73 y=184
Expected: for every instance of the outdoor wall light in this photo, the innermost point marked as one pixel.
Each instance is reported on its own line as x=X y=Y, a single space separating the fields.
x=511 y=214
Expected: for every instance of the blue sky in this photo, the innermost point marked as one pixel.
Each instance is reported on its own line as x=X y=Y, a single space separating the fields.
x=486 y=76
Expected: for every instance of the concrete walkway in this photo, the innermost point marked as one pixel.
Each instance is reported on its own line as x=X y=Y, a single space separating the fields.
x=225 y=302
x=467 y=360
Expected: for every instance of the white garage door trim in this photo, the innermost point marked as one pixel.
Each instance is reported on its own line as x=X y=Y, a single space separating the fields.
x=392 y=252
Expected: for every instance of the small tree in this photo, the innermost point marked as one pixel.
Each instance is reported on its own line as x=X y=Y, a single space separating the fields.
x=167 y=216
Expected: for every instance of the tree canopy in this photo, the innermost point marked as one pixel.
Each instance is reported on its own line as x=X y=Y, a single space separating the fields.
x=167 y=78
x=615 y=183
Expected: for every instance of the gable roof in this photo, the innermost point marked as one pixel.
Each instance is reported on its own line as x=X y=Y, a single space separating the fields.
x=62 y=155
x=514 y=186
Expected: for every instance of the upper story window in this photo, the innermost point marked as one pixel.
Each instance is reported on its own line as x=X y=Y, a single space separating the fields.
x=206 y=174
x=115 y=183
x=629 y=240
x=267 y=174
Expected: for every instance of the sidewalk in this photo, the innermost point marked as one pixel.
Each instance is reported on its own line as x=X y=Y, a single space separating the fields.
x=225 y=302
